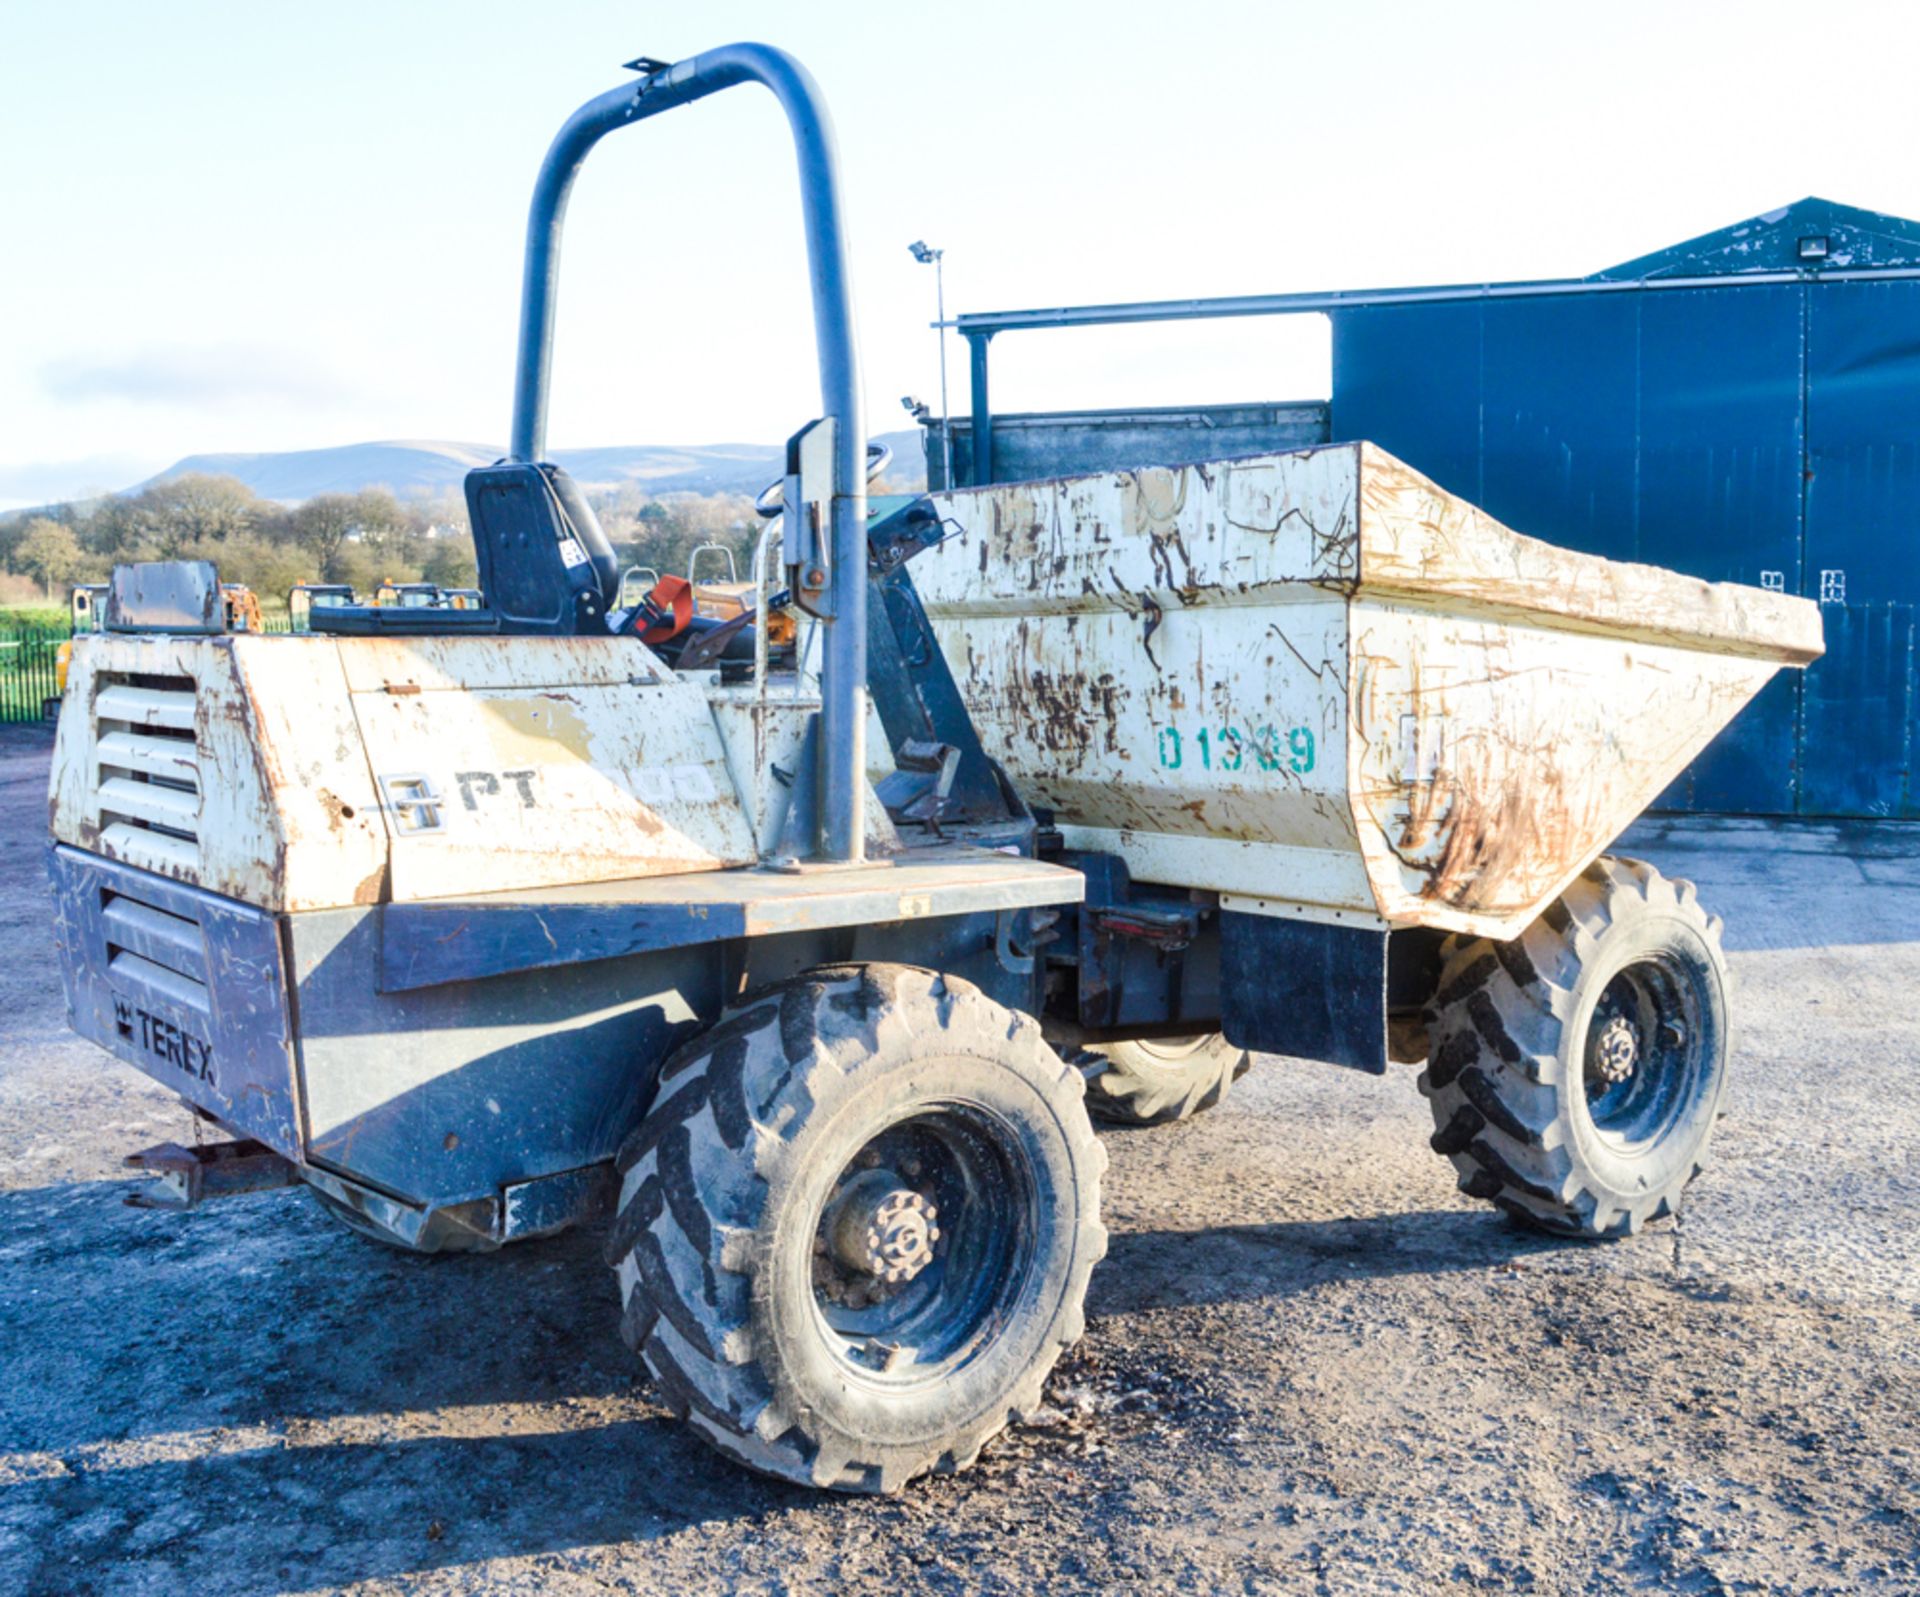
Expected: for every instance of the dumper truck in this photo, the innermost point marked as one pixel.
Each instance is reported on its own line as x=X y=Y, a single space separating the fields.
x=796 y=959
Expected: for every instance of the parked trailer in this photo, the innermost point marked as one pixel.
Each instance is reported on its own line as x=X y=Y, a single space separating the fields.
x=479 y=921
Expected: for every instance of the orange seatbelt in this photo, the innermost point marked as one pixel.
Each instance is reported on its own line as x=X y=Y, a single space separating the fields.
x=667 y=611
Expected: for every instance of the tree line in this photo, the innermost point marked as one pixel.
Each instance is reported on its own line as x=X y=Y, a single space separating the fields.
x=361 y=538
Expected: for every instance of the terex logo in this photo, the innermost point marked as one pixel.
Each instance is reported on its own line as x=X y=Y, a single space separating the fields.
x=164 y=1040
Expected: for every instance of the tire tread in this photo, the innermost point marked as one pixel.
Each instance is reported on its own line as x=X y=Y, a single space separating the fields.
x=695 y=1180
x=1495 y=1073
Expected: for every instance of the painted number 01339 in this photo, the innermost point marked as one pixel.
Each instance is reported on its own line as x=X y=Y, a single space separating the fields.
x=1227 y=748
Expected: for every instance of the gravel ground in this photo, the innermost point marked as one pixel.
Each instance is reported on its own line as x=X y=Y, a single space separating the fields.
x=1310 y=1364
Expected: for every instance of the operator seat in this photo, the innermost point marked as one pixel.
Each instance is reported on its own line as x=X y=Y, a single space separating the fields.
x=546 y=568
x=545 y=565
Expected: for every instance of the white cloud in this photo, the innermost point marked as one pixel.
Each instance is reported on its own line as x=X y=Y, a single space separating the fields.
x=215 y=374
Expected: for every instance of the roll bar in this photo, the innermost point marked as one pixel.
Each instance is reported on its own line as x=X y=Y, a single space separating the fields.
x=842 y=743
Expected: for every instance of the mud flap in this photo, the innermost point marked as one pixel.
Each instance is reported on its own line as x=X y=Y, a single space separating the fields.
x=1306 y=989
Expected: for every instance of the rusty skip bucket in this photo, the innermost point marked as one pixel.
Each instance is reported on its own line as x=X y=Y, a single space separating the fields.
x=1320 y=685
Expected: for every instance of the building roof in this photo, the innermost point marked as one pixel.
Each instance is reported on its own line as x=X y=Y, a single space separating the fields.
x=1784 y=240
x=1810 y=239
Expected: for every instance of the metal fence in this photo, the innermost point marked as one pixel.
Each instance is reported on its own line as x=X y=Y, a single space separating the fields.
x=28 y=670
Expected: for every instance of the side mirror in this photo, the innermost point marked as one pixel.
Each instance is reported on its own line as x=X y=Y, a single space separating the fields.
x=805 y=535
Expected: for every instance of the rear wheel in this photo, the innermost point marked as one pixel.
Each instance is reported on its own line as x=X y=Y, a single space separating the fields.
x=1149 y=1081
x=1575 y=1073
x=855 y=1229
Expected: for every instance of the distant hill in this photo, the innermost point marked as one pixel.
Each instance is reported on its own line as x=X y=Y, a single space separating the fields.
x=417 y=466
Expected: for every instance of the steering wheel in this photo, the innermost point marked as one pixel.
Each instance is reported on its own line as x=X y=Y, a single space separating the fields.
x=772 y=498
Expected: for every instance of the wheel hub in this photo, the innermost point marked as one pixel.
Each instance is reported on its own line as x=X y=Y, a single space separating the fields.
x=1616 y=1051
x=882 y=1228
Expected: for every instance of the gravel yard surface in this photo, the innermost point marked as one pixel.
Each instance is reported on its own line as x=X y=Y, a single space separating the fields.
x=1310 y=1364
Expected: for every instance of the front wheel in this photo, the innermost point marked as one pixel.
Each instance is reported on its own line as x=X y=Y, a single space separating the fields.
x=855 y=1229
x=1575 y=1073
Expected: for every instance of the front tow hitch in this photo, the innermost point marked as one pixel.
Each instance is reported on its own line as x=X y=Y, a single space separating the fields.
x=187 y=1177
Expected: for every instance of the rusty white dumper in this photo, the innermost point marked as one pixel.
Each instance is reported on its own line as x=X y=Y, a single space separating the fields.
x=804 y=950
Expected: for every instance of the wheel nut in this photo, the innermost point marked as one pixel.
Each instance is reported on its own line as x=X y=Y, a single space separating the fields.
x=882 y=1228
x=1617 y=1051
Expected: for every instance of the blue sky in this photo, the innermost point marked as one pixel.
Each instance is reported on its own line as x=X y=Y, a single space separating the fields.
x=249 y=227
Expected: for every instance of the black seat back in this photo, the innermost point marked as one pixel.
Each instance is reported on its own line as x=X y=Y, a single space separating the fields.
x=545 y=565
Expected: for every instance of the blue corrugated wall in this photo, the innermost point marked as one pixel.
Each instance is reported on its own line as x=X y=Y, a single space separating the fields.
x=1758 y=433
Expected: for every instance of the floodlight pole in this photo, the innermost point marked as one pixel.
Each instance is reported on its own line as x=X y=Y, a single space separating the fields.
x=923 y=253
x=946 y=421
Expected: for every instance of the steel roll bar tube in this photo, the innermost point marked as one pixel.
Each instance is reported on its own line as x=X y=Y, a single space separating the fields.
x=843 y=717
